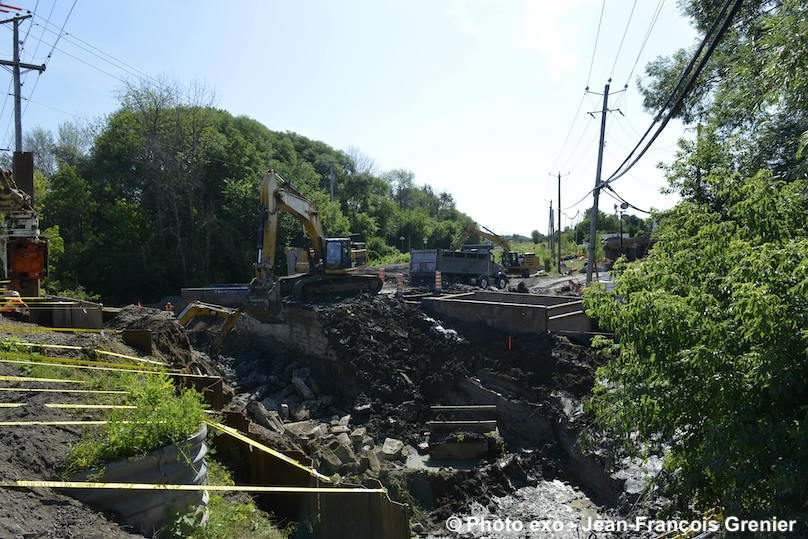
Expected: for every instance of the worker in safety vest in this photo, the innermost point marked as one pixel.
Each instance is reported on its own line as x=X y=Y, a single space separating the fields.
x=13 y=306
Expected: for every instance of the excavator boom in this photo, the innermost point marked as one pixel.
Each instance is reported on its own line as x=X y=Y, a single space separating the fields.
x=332 y=261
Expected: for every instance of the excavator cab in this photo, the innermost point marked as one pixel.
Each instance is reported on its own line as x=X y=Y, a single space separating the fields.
x=338 y=254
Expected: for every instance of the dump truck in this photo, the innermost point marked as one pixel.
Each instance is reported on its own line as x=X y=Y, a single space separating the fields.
x=469 y=266
x=523 y=264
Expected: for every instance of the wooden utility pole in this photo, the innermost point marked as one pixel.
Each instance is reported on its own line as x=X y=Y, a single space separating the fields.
x=593 y=216
x=551 y=232
x=558 y=265
x=16 y=65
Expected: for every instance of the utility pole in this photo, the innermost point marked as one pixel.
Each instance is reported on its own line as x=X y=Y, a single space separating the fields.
x=558 y=265
x=593 y=216
x=551 y=232
x=16 y=65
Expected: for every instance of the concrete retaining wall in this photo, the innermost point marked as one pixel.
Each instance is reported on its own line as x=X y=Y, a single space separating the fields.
x=67 y=313
x=511 y=312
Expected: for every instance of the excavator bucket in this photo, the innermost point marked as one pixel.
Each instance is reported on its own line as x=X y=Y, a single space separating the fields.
x=263 y=301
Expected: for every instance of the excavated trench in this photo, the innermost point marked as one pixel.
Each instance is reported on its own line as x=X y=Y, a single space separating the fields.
x=340 y=380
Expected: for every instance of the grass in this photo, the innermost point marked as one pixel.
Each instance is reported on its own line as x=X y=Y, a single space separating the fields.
x=162 y=417
x=398 y=258
x=229 y=515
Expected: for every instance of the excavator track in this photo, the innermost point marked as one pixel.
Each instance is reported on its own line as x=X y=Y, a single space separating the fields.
x=310 y=287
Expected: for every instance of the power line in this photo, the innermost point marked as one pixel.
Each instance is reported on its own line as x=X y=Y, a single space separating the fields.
x=22 y=43
x=61 y=31
x=651 y=25
x=48 y=57
x=42 y=34
x=595 y=48
x=616 y=196
x=623 y=39
x=685 y=83
x=569 y=132
x=105 y=56
x=576 y=147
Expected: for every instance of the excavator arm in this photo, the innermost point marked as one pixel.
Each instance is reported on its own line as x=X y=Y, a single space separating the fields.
x=479 y=230
x=277 y=195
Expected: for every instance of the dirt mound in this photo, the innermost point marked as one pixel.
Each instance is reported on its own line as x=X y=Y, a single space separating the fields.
x=38 y=453
x=396 y=360
x=540 y=362
x=169 y=340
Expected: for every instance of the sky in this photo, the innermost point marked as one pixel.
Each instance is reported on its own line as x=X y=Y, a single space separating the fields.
x=476 y=97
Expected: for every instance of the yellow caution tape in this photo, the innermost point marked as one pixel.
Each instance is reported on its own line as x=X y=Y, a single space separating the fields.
x=117 y=368
x=23 y=329
x=104 y=352
x=35 y=379
x=43 y=345
x=217 y=488
x=61 y=390
x=91 y=406
x=78 y=363
x=246 y=439
x=51 y=423
x=133 y=358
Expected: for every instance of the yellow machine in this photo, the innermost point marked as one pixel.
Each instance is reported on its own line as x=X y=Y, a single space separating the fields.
x=333 y=263
x=513 y=262
x=198 y=308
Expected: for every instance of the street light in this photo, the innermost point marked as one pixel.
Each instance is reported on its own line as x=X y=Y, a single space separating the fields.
x=401 y=239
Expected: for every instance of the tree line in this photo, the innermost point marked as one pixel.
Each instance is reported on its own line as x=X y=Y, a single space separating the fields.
x=163 y=193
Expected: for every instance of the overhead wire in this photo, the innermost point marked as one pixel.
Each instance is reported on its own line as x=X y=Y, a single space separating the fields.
x=50 y=54
x=569 y=132
x=623 y=39
x=615 y=195
x=595 y=48
x=104 y=56
x=651 y=25
x=685 y=83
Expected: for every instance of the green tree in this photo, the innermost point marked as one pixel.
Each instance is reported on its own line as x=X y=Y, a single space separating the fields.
x=711 y=332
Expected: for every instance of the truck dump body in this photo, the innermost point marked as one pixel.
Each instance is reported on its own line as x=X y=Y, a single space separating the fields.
x=456 y=265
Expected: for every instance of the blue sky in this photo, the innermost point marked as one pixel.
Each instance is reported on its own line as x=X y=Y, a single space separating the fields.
x=475 y=97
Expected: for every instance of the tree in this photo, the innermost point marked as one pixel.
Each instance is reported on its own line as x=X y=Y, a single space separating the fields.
x=535 y=236
x=710 y=330
x=712 y=348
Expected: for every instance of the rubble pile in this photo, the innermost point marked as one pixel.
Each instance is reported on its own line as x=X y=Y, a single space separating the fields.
x=169 y=341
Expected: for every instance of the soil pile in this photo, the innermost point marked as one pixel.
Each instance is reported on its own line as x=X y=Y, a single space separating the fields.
x=543 y=363
x=169 y=340
x=38 y=453
x=396 y=361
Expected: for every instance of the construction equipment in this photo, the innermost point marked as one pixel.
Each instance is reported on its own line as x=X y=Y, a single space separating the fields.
x=333 y=263
x=522 y=263
x=23 y=251
x=472 y=266
x=197 y=308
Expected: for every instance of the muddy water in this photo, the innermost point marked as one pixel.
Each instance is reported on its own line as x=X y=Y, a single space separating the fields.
x=551 y=509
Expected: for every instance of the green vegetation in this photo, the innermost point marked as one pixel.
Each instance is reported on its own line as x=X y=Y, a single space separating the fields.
x=229 y=515
x=711 y=328
x=163 y=193
x=162 y=417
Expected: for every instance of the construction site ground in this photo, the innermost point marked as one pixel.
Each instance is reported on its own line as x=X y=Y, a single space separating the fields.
x=355 y=397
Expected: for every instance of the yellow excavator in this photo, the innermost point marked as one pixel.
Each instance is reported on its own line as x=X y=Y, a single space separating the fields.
x=522 y=263
x=334 y=263
x=200 y=309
